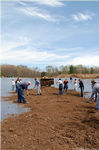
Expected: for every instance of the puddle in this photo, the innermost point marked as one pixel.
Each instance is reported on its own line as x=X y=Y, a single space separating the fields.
x=9 y=109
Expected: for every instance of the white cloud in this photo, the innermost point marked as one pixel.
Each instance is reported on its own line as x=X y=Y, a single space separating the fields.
x=41 y=13
x=10 y=54
x=89 y=60
x=36 y=12
x=27 y=56
x=82 y=17
x=53 y=3
x=8 y=46
x=22 y=3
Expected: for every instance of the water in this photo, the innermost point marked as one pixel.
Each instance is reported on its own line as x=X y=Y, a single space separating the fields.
x=6 y=85
x=9 y=108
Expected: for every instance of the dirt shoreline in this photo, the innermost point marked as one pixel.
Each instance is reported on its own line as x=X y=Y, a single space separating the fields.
x=54 y=123
x=82 y=76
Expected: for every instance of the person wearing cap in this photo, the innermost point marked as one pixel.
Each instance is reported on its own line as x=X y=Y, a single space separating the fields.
x=95 y=91
x=93 y=82
x=37 y=85
x=21 y=87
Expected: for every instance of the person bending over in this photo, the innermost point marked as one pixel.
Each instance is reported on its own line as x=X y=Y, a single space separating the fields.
x=20 y=91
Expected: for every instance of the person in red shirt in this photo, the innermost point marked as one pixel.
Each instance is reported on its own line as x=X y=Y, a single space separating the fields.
x=65 y=85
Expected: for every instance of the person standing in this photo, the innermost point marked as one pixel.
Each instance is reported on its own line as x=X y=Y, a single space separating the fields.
x=95 y=91
x=81 y=86
x=13 y=84
x=75 y=84
x=92 y=85
x=18 y=81
x=20 y=91
x=71 y=79
x=60 y=82
x=37 y=85
x=65 y=85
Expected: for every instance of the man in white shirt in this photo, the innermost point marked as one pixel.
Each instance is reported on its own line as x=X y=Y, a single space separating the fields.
x=13 y=84
x=60 y=82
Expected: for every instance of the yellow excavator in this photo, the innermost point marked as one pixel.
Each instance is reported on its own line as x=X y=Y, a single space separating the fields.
x=45 y=80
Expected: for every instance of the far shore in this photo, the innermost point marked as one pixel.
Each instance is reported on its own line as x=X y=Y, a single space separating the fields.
x=82 y=76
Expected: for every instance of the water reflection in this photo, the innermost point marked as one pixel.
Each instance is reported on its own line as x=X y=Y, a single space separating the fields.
x=8 y=108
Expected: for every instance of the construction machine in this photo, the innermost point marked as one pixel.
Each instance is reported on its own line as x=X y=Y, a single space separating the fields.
x=45 y=80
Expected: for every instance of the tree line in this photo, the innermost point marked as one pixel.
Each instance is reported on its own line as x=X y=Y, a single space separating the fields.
x=50 y=71
x=70 y=69
x=19 y=71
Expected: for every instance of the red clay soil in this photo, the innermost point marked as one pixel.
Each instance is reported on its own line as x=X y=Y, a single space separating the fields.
x=54 y=122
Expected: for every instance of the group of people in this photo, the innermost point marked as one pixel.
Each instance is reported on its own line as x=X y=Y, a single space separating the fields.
x=21 y=86
x=63 y=87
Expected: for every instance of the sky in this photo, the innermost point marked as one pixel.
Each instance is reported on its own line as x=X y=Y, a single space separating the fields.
x=49 y=32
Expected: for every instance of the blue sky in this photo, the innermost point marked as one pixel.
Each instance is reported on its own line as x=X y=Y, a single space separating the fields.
x=49 y=32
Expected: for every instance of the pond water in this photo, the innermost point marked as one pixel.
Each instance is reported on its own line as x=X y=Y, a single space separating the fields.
x=9 y=108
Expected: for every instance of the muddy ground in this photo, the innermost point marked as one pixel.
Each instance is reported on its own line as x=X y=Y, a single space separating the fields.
x=54 y=122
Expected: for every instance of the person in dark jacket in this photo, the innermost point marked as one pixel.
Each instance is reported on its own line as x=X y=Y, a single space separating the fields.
x=81 y=86
x=20 y=91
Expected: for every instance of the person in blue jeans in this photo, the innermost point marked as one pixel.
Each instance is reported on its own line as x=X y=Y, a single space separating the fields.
x=60 y=83
x=37 y=84
x=95 y=91
x=20 y=91
x=65 y=85
x=81 y=86
x=18 y=81
x=92 y=85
